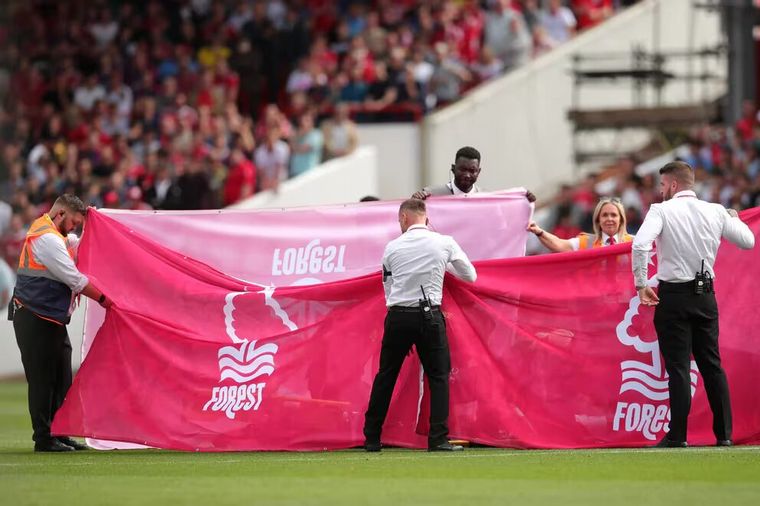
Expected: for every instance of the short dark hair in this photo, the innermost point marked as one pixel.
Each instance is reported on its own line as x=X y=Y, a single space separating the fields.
x=369 y=198
x=416 y=206
x=467 y=152
x=72 y=203
x=680 y=171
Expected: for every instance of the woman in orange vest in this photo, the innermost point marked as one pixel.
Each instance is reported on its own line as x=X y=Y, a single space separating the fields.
x=609 y=229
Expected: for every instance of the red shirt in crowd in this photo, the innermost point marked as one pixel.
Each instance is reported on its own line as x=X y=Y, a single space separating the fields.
x=590 y=12
x=241 y=176
x=745 y=127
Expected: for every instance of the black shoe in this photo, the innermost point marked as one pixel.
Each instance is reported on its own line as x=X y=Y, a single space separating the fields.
x=445 y=447
x=669 y=443
x=52 y=446
x=373 y=447
x=724 y=442
x=70 y=442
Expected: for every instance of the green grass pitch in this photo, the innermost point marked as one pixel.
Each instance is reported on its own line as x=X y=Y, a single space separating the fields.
x=694 y=476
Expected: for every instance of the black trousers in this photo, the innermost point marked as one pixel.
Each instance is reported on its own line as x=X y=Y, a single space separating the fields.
x=402 y=330
x=46 y=355
x=687 y=324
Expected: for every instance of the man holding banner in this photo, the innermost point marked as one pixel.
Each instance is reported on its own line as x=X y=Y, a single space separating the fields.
x=43 y=300
x=465 y=171
x=688 y=232
x=413 y=269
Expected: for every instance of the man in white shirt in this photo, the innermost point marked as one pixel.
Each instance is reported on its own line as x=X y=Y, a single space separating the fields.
x=87 y=94
x=688 y=232
x=46 y=284
x=416 y=260
x=271 y=159
x=558 y=21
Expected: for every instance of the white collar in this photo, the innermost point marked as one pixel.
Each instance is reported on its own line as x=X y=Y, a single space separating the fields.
x=456 y=191
x=685 y=193
x=417 y=227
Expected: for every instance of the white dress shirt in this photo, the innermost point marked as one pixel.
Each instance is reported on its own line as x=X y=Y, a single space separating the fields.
x=50 y=251
x=686 y=230
x=575 y=242
x=456 y=191
x=419 y=257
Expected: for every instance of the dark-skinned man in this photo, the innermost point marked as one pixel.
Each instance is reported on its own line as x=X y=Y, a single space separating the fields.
x=466 y=169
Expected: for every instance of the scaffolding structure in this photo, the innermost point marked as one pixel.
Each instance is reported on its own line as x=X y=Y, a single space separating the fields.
x=602 y=135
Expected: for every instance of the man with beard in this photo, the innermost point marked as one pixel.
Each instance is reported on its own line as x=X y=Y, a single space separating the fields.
x=688 y=232
x=46 y=287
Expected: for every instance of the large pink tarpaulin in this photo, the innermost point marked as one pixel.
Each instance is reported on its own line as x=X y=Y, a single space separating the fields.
x=547 y=352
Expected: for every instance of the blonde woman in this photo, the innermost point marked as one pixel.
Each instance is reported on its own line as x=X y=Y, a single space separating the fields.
x=609 y=229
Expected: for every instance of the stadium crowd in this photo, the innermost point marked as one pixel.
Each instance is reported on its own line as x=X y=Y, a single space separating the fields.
x=727 y=169
x=190 y=104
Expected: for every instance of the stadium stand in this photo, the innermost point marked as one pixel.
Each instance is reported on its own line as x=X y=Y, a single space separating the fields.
x=190 y=104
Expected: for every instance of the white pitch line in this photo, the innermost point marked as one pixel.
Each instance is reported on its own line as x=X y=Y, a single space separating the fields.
x=395 y=455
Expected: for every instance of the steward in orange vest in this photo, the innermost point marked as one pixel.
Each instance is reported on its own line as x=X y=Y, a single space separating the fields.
x=36 y=288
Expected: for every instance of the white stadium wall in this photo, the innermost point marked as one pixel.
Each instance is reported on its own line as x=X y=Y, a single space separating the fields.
x=398 y=157
x=519 y=122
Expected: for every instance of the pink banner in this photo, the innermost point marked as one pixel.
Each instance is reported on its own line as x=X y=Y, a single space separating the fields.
x=300 y=246
x=547 y=352
x=303 y=246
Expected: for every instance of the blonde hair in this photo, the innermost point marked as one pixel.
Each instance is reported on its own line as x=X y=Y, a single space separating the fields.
x=622 y=230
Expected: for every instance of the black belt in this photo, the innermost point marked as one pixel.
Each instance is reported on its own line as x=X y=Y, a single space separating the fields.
x=409 y=309
x=677 y=286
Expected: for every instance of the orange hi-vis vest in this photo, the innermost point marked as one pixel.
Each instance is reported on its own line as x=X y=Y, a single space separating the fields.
x=36 y=288
x=584 y=241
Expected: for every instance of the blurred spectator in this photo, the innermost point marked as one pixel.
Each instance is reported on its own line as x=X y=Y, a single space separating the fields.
x=340 y=135
x=194 y=186
x=591 y=12
x=274 y=118
x=89 y=93
x=135 y=200
x=104 y=29
x=565 y=228
x=506 y=33
x=6 y=213
x=488 y=66
x=163 y=192
x=7 y=282
x=300 y=79
x=558 y=23
x=241 y=181
x=449 y=77
x=381 y=92
x=272 y=158
x=355 y=87
x=307 y=146
x=746 y=125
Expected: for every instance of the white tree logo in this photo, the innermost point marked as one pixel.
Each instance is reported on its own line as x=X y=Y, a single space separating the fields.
x=245 y=361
